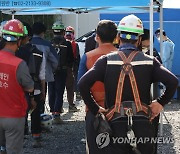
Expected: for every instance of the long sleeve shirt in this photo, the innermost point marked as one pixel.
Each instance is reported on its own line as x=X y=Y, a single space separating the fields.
x=51 y=57
x=98 y=71
x=168 y=54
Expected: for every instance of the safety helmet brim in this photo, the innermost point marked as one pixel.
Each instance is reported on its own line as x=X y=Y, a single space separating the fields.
x=10 y=38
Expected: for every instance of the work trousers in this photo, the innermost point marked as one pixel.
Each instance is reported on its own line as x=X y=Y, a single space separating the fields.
x=12 y=134
x=35 y=116
x=96 y=141
x=56 y=91
x=70 y=85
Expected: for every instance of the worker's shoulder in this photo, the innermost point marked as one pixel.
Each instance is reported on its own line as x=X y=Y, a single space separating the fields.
x=143 y=57
x=112 y=54
x=139 y=57
x=40 y=41
x=92 y=53
x=169 y=42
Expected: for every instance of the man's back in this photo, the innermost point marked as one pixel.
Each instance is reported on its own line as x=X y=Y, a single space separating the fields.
x=34 y=59
x=127 y=76
x=98 y=88
x=93 y=55
x=64 y=51
x=9 y=81
x=50 y=56
x=106 y=32
x=142 y=67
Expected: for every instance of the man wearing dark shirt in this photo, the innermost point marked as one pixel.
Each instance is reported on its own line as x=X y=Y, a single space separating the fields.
x=90 y=43
x=50 y=55
x=65 y=61
x=36 y=64
x=147 y=70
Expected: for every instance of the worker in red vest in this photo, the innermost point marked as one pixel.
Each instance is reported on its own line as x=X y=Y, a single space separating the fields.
x=14 y=80
x=71 y=80
x=105 y=35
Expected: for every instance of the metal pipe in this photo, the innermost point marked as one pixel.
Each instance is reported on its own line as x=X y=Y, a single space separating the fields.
x=161 y=30
x=161 y=54
x=151 y=34
x=151 y=27
x=77 y=25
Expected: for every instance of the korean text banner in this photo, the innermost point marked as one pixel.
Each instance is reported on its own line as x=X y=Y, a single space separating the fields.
x=12 y=4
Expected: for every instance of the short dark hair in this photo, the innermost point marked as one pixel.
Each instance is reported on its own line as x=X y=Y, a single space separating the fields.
x=146 y=35
x=107 y=31
x=123 y=40
x=158 y=31
x=38 y=28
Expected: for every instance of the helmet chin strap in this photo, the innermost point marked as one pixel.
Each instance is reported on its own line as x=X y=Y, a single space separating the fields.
x=18 y=44
x=139 y=42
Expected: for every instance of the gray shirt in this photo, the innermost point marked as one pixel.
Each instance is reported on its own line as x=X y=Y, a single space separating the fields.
x=22 y=74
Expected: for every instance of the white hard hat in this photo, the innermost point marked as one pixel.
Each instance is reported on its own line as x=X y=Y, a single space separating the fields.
x=131 y=24
x=46 y=121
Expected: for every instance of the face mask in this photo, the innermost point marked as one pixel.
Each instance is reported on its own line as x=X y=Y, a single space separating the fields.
x=144 y=49
x=69 y=36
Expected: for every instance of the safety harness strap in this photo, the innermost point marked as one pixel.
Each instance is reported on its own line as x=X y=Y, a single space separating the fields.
x=126 y=70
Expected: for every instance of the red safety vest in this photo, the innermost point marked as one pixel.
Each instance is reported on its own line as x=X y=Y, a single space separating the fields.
x=74 y=47
x=98 y=88
x=13 y=103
